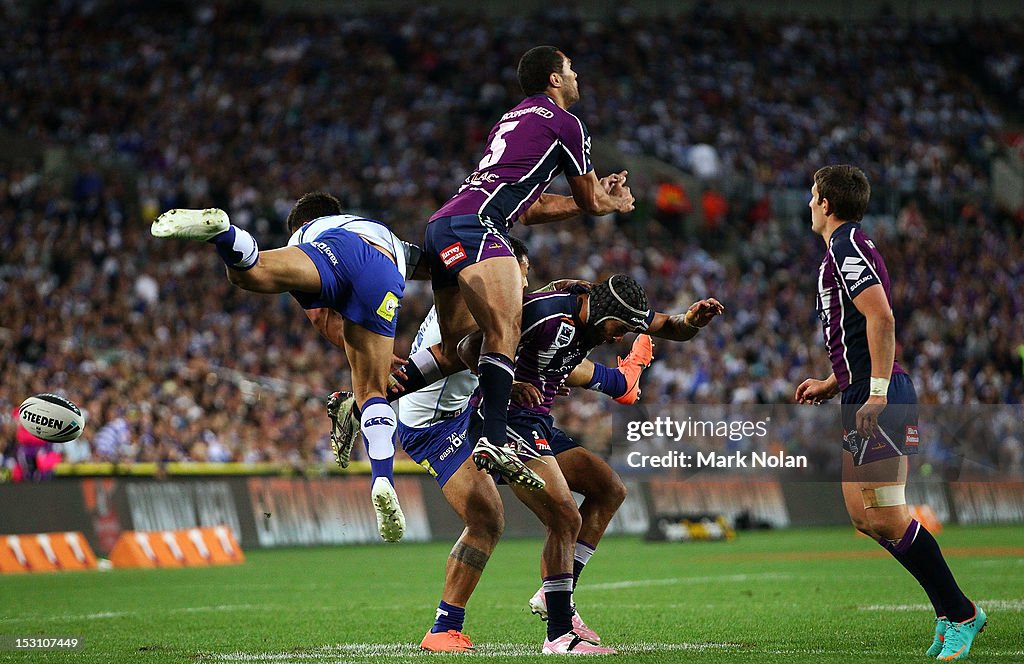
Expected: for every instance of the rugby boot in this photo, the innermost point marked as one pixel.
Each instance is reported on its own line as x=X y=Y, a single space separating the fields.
x=344 y=426
x=450 y=641
x=572 y=644
x=959 y=636
x=631 y=366
x=505 y=462
x=539 y=607
x=199 y=225
x=390 y=519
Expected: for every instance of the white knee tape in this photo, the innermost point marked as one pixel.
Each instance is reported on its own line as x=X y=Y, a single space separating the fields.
x=890 y=495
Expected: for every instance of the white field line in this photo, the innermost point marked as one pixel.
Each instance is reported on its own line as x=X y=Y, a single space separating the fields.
x=359 y=652
x=103 y=615
x=988 y=604
x=375 y=651
x=686 y=580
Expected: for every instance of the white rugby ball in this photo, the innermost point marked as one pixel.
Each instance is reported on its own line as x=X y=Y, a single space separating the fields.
x=52 y=418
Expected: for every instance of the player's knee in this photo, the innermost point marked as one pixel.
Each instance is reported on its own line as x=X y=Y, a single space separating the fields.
x=616 y=493
x=566 y=519
x=488 y=524
x=863 y=525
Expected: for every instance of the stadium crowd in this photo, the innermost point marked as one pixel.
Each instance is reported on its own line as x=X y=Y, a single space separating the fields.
x=247 y=111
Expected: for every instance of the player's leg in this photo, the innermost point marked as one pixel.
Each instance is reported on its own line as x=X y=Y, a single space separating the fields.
x=603 y=492
x=475 y=498
x=874 y=496
x=493 y=292
x=369 y=356
x=556 y=509
x=274 y=271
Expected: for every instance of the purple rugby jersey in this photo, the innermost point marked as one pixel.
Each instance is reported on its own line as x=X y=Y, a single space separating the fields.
x=851 y=265
x=531 y=145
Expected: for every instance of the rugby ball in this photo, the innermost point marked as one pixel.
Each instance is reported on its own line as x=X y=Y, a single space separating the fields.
x=52 y=418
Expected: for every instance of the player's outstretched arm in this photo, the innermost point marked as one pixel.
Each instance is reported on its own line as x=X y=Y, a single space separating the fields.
x=553 y=207
x=683 y=327
x=591 y=196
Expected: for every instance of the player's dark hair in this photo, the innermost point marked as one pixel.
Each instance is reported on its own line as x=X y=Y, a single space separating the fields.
x=518 y=248
x=312 y=206
x=621 y=298
x=847 y=190
x=536 y=67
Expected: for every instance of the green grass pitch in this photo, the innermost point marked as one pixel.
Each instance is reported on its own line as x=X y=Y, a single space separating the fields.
x=815 y=595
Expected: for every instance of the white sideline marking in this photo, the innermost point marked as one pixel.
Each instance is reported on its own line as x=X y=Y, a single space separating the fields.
x=740 y=578
x=375 y=651
x=103 y=615
x=987 y=604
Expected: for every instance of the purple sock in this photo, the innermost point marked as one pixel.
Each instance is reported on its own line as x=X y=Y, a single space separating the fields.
x=448 y=617
x=496 y=373
x=558 y=597
x=922 y=552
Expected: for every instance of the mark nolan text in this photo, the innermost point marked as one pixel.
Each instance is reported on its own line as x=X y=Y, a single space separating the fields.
x=716 y=460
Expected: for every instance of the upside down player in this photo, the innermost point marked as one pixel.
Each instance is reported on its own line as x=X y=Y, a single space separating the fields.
x=348 y=273
x=879 y=404
x=432 y=427
x=559 y=329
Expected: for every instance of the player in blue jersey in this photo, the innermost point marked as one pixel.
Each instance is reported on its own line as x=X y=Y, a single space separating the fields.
x=879 y=404
x=559 y=329
x=474 y=274
x=348 y=274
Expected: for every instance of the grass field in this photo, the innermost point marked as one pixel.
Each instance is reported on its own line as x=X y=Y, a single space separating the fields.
x=820 y=595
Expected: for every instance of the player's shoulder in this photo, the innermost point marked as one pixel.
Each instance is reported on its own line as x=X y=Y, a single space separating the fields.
x=849 y=237
x=537 y=306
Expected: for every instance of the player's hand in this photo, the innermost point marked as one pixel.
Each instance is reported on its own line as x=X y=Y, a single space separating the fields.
x=610 y=181
x=563 y=390
x=813 y=391
x=701 y=312
x=526 y=394
x=867 y=416
x=396 y=366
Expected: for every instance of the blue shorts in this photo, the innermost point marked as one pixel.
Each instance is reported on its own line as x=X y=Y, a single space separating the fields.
x=897 y=425
x=451 y=244
x=440 y=448
x=356 y=280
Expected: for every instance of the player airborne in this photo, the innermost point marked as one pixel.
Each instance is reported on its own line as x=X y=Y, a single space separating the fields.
x=474 y=274
x=879 y=404
x=348 y=273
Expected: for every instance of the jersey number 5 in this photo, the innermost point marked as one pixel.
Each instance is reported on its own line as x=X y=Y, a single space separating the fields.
x=497 y=146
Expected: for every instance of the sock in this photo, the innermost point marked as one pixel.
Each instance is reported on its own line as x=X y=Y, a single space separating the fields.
x=579 y=560
x=922 y=551
x=496 y=374
x=558 y=597
x=923 y=579
x=607 y=380
x=448 y=617
x=421 y=371
x=237 y=248
x=378 y=425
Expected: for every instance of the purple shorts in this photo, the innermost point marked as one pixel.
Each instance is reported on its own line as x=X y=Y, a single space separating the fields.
x=451 y=244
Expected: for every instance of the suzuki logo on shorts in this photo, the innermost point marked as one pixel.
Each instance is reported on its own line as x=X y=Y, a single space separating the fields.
x=379 y=421
x=452 y=254
x=911 y=438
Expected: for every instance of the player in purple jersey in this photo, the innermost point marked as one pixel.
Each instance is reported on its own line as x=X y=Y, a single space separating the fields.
x=879 y=404
x=559 y=329
x=474 y=274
